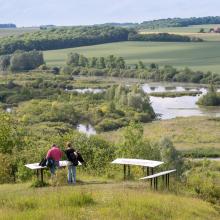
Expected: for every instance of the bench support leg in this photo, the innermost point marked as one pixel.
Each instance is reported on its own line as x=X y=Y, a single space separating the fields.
x=148 y=171
x=42 y=175
x=37 y=172
x=129 y=171
x=124 y=172
x=168 y=181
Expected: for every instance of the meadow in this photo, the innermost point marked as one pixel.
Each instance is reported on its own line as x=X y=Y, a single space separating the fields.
x=127 y=200
x=202 y=56
x=191 y=134
x=4 y=32
x=192 y=31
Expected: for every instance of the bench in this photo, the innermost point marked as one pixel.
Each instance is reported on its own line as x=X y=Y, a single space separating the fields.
x=38 y=168
x=155 y=176
x=137 y=162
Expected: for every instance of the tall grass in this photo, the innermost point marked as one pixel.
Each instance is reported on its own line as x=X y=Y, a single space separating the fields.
x=99 y=201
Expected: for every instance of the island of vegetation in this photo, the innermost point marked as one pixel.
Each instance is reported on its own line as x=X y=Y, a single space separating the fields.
x=212 y=98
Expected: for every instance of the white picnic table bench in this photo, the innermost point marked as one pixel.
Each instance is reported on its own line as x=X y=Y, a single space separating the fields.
x=150 y=164
x=137 y=162
x=37 y=167
x=155 y=176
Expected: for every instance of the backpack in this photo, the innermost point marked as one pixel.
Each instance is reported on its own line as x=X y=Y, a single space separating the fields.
x=74 y=159
x=43 y=162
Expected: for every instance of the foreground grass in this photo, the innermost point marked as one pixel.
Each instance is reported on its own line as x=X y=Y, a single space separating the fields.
x=188 y=133
x=202 y=56
x=99 y=201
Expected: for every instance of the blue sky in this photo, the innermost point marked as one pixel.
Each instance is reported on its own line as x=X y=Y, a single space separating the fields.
x=81 y=12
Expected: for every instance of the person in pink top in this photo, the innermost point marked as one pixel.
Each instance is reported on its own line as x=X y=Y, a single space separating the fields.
x=53 y=157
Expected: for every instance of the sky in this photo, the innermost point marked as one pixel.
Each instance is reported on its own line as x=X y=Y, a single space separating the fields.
x=86 y=12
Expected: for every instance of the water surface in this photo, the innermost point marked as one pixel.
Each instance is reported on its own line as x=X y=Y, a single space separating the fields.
x=183 y=106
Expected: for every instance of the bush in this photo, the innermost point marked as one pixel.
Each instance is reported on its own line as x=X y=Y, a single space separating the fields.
x=109 y=125
x=21 y=61
x=212 y=98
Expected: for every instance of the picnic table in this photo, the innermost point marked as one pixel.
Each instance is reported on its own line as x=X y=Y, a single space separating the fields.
x=149 y=164
x=39 y=169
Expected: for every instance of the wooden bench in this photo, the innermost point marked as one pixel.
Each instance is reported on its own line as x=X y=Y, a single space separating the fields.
x=137 y=162
x=155 y=177
x=40 y=169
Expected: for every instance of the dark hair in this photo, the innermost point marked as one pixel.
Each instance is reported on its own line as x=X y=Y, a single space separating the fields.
x=68 y=144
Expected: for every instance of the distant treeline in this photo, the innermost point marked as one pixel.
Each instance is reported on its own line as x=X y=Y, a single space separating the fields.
x=180 y=22
x=60 y=38
x=163 y=37
x=7 y=26
x=116 y=66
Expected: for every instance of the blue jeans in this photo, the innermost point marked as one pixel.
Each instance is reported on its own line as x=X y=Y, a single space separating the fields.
x=54 y=167
x=71 y=174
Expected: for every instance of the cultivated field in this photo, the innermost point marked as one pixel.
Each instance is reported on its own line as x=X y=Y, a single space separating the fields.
x=189 y=31
x=203 y=56
x=15 y=31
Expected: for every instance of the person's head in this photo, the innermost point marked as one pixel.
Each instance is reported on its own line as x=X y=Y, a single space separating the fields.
x=53 y=145
x=69 y=145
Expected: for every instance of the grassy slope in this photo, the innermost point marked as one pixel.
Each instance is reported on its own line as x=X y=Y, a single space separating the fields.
x=200 y=56
x=190 y=31
x=186 y=133
x=15 y=31
x=99 y=201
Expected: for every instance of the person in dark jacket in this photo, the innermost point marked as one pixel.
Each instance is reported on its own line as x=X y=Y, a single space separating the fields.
x=73 y=157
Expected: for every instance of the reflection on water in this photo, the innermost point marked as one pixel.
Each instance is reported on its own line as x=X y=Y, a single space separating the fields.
x=87 y=129
x=88 y=90
x=8 y=110
x=179 y=106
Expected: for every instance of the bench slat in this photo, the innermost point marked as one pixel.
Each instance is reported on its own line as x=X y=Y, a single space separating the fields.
x=158 y=174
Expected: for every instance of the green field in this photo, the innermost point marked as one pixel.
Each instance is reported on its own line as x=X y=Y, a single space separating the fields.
x=187 y=133
x=189 y=31
x=203 y=56
x=99 y=201
x=4 y=32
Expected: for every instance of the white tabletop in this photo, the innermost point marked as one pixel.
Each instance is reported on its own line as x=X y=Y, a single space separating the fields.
x=137 y=162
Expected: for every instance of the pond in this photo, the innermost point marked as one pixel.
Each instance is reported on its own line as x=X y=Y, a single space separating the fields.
x=86 y=90
x=8 y=110
x=184 y=106
x=86 y=129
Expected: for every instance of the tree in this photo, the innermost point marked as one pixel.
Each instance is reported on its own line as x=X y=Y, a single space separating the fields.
x=170 y=156
x=141 y=65
x=73 y=59
x=202 y=30
x=93 y=62
x=83 y=61
x=120 y=63
x=101 y=63
x=21 y=60
x=4 y=62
